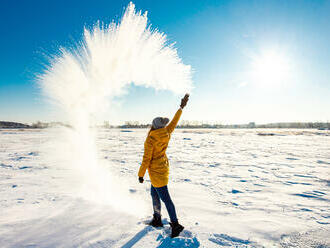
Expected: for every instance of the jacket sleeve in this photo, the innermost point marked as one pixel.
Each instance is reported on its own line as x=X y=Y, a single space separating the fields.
x=170 y=127
x=148 y=149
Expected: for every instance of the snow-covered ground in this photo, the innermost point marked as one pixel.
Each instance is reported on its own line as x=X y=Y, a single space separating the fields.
x=231 y=188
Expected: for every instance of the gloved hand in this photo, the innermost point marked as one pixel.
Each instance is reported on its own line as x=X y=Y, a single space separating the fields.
x=141 y=179
x=184 y=101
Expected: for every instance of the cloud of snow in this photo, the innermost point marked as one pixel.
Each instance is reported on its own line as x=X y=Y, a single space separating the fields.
x=80 y=81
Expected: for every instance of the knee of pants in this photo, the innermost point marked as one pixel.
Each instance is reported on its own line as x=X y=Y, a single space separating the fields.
x=168 y=201
x=165 y=198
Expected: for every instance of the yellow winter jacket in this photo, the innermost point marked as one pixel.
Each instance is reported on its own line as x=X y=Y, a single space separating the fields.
x=154 y=158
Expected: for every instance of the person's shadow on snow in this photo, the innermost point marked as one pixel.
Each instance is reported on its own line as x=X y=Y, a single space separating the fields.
x=137 y=237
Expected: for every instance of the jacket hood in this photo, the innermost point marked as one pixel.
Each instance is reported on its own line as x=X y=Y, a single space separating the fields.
x=160 y=134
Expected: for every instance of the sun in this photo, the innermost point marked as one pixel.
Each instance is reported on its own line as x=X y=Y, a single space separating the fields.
x=270 y=68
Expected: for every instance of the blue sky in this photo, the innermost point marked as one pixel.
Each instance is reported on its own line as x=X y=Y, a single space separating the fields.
x=262 y=61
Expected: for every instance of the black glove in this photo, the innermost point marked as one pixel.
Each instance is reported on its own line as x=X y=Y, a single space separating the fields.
x=184 y=101
x=141 y=179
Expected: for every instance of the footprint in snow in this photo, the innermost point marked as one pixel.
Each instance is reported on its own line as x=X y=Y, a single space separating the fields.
x=185 y=239
x=292 y=158
x=24 y=167
x=230 y=241
x=5 y=165
x=33 y=154
x=322 y=162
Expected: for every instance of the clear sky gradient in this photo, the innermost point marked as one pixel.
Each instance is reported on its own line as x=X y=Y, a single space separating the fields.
x=262 y=61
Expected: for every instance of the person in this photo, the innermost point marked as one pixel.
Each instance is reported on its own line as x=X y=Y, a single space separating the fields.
x=156 y=162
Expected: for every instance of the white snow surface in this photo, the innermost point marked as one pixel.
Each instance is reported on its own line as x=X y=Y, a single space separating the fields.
x=231 y=188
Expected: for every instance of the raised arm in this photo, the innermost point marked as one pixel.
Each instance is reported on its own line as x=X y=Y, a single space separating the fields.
x=148 y=149
x=170 y=127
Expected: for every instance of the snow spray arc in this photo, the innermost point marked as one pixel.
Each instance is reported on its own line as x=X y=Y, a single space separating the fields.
x=81 y=80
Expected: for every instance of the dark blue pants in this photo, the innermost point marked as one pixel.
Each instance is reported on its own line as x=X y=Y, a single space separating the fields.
x=162 y=193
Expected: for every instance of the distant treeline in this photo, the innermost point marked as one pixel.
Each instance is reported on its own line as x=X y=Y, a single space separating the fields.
x=9 y=124
x=183 y=124
x=187 y=124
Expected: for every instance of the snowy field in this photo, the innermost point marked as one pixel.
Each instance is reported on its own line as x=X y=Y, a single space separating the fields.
x=231 y=188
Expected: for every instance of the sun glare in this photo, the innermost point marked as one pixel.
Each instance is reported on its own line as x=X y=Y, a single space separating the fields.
x=270 y=68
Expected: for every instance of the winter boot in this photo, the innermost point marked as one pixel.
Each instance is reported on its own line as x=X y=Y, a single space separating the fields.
x=176 y=229
x=156 y=221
